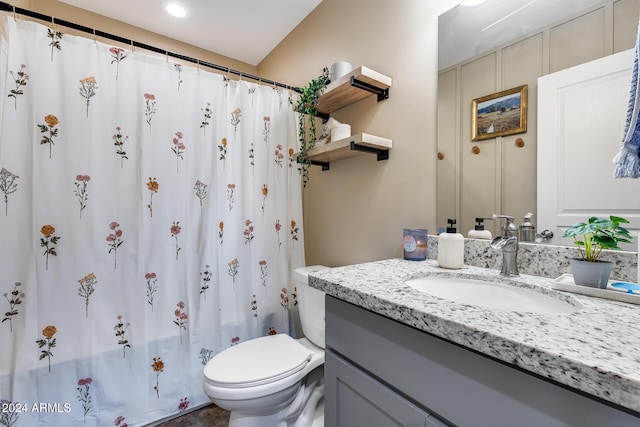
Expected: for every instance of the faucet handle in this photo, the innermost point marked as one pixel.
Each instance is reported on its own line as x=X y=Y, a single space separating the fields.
x=510 y=229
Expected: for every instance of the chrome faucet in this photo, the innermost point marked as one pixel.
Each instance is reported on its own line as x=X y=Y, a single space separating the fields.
x=507 y=244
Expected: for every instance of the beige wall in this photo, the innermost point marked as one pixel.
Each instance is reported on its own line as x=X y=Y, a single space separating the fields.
x=356 y=211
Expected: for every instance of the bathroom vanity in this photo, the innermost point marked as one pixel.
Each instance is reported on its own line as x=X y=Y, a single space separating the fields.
x=399 y=355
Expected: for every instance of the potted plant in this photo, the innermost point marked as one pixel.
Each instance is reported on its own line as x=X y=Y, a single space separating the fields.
x=307 y=108
x=591 y=238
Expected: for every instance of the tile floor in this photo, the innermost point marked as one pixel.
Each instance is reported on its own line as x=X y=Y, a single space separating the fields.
x=209 y=416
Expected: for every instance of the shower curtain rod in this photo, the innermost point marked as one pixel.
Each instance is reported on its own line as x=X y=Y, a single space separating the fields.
x=6 y=7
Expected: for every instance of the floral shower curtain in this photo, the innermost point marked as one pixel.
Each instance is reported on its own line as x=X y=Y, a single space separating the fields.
x=151 y=217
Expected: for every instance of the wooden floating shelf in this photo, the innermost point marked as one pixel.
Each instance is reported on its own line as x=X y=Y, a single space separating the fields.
x=353 y=87
x=355 y=145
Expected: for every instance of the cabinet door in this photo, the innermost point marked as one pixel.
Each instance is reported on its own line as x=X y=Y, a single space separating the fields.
x=353 y=398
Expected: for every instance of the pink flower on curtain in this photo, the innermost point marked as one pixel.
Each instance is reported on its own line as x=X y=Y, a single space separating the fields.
x=248 y=233
x=152 y=287
x=278 y=227
x=263 y=272
x=87 y=287
x=118 y=141
x=121 y=329
x=118 y=55
x=115 y=241
x=181 y=318
x=82 y=181
x=88 y=87
x=50 y=126
x=235 y=340
x=184 y=404
x=278 y=156
x=234 y=266
x=49 y=239
x=175 y=230
x=178 y=148
x=48 y=333
x=83 y=396
x=284 y=298
x=230 y=196
x=8 y=185
x=267 y=129
x=14 y=299
x=150 y=108
x=119 y=422
x=20 y=79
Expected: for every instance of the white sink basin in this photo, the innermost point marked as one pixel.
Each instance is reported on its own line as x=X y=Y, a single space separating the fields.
x=493 y=295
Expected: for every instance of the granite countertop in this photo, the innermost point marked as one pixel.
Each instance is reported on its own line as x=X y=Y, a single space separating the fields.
x=595 y=349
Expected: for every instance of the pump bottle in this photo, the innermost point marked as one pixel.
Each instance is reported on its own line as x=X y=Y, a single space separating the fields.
x=478 y=231
x=451 y=247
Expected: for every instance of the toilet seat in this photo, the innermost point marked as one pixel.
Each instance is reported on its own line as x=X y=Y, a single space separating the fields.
x=257 y=362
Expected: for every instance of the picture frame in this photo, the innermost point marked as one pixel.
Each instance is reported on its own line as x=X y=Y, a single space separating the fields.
x=499 y=114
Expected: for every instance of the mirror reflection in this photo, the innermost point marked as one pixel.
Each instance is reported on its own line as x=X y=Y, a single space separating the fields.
x=497 y=46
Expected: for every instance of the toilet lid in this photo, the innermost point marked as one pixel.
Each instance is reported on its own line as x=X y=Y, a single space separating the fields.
x=258 y=361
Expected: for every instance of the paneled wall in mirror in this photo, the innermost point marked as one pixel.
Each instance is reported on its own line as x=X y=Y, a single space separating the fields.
x=501 y=46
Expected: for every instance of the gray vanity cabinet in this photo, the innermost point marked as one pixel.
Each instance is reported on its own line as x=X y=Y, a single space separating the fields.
x=380 y=372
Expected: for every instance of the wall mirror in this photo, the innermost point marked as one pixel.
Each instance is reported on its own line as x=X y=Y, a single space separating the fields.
x=495 y=46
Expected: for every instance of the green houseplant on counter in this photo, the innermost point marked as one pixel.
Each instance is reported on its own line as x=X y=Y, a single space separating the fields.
x=307 y=108
x=591 y=238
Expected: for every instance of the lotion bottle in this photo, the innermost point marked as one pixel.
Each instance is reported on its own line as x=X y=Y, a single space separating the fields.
x=478 y=231
x=451 y=247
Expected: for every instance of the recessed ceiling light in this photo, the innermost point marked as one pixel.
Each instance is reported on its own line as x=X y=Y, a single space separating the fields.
x=176 y=10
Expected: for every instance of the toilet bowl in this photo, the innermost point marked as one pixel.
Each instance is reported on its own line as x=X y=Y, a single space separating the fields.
x=274 y=380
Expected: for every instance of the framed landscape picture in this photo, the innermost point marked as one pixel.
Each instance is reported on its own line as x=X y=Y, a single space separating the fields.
x=502 y=113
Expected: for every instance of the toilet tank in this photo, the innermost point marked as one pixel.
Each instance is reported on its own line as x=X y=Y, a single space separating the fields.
x=310 y=305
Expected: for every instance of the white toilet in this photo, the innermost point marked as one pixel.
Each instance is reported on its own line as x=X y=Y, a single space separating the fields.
x=275 y=381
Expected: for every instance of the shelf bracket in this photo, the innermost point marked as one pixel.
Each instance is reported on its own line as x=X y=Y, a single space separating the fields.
x=325 y=165
x=381 y=93
x=379 y=152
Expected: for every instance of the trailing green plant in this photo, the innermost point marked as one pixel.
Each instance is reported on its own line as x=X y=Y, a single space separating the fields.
x=598 y=234
x=307 y=109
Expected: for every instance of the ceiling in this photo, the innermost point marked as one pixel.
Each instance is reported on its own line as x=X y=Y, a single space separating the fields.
x=246 y=30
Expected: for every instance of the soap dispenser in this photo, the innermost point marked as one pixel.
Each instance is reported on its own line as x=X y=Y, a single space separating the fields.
x=478 y=231
x=451 y=247
x=527 y=229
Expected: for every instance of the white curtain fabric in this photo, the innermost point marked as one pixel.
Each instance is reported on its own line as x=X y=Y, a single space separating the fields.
x=151 y=217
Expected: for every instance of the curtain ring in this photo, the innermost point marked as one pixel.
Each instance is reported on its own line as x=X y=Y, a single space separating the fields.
x=94 y=36
x=198 y=65
x=166 y=52
x=240 y=74
x=15 y=15
x=133 y=48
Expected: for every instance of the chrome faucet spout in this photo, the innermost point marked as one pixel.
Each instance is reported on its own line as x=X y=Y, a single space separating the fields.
x=508 y=246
